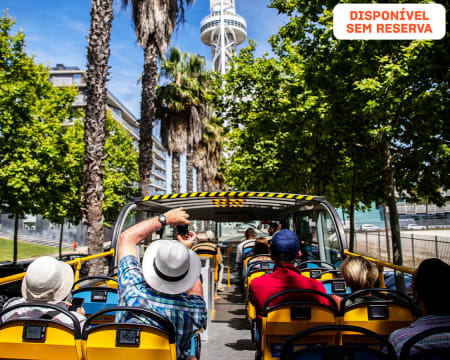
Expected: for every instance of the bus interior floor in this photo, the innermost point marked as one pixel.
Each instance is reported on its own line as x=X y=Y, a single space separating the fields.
x=229 y=332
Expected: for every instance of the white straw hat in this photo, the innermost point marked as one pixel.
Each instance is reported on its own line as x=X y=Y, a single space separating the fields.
x=47 y=280
x=170 y=267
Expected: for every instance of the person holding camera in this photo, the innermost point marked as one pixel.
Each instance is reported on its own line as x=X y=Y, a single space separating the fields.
x=168 y=281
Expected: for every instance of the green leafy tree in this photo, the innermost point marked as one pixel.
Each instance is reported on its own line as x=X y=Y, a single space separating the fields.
x=120 y=176
x=356 y=121
x=32 y=144
x=121 y=171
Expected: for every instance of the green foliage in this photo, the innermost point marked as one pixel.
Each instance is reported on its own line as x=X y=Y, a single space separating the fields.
x=121 y=169
x=324 y=112
x=32 y=139
x=41 y=155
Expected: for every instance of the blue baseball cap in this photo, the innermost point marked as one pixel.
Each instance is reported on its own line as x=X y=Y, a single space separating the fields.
x=285 y=241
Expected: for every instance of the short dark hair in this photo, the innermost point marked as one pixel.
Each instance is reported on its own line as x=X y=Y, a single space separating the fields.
x=431 y=282
x=261 y=246
x=250 y=232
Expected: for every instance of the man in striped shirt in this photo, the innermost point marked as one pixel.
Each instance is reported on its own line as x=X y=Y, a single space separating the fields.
x=431 y=287
x=168 y=281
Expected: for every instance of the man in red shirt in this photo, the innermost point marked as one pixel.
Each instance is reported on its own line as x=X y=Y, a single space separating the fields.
x=284 y=250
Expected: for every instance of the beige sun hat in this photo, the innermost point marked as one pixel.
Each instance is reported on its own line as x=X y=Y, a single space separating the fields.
x=170 y=267
x=47 y=280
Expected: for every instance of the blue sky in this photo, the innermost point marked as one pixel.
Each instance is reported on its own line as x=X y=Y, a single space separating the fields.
x=56 y=32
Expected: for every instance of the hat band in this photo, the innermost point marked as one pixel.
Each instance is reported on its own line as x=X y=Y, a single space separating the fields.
x=167 y=277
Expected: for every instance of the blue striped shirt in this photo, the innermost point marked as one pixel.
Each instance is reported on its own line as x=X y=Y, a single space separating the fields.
x=187 y=313
x=400 y=336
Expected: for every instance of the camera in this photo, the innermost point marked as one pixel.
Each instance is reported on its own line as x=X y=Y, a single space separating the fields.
x=182 y=229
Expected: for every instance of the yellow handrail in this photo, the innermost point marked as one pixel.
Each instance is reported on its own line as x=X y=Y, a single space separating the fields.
x=381 y=265
x=77 y=262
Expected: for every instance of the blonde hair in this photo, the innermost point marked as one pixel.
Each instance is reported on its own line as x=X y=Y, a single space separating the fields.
x=358 y=273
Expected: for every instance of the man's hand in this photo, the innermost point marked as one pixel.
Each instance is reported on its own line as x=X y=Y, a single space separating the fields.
x=177 y=216
x=187 y=240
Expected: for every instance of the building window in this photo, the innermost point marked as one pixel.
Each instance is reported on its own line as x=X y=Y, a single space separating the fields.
x=77 y=79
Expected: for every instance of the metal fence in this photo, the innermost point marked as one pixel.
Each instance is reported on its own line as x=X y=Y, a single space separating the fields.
x=415 y=247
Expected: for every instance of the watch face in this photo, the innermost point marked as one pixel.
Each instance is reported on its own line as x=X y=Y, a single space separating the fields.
x=162 y=219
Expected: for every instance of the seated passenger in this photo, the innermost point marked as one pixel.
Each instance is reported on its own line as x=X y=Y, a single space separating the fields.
x=168 y=282
x=431 y=288
x=47 y=281
x=284 y=250
x=250 y=236
x=273 y=228
x=261 y=248
x=358 y=273
x=205 y=245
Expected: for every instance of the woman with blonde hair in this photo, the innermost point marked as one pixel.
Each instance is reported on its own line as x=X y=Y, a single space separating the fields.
x=358 y=273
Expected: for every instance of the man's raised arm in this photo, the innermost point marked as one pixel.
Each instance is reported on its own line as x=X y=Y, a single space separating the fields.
x=131 y=237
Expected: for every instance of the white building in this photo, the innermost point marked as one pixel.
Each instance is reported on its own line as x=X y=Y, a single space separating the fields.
x=222 y=30
x=70 y=75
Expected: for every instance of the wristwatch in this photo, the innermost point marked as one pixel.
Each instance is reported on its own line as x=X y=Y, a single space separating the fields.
x=162 y=219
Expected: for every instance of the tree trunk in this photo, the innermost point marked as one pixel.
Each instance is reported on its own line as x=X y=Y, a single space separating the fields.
x=352 y=209
x=386 y=229
x=61 y=232
x=15 y=238
x=175 y=172
x=149 y=81
x=95 y=127
x=190 y=168
x=389 y=185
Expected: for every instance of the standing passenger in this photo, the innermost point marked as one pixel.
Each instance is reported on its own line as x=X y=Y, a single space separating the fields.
x=168 y=282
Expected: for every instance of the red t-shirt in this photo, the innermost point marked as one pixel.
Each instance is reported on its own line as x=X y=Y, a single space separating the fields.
x=284 y=277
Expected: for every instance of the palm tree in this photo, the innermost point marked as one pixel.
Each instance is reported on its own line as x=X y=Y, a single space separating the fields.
x=208 y=153
x=154 y=22
x=181 y=108
x=95 y=126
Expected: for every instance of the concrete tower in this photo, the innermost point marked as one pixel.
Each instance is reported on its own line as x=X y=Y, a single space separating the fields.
x=222 y=30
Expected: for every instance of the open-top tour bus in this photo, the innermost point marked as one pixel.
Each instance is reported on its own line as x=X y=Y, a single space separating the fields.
x=312 y=218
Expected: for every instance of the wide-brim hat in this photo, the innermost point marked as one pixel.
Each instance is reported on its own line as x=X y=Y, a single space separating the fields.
x=170 y=267
x=47 y=280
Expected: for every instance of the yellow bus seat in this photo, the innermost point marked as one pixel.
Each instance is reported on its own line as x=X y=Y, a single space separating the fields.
x=329 y=275
x=291 y=350
x=209 y=253
x=292 y=315
x=336 y=287
x=89 y=281
x=379 y=310
x=253 y=274
x=26 y=338
x=97 y=298
x=256 y=269
x=118 y=341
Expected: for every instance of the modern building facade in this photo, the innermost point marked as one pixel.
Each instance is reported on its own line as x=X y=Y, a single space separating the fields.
x=223 y=30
